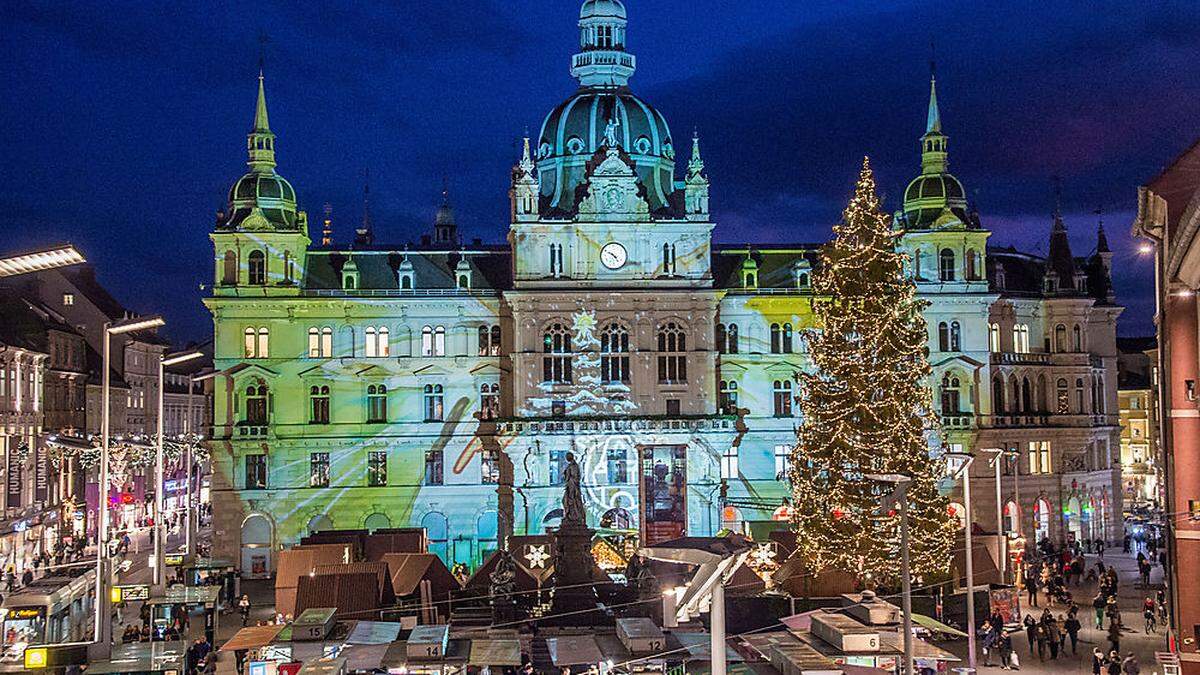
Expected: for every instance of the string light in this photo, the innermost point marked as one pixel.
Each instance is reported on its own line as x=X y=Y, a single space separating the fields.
x=866 y=408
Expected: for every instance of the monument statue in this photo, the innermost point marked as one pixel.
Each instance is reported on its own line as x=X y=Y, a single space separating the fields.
x=503 y=577
x=610 y=133
x=572 y=503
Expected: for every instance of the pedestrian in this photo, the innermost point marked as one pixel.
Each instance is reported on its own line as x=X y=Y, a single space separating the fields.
x=1031 y=586
x=1114 y=638
x=1004 y=646
x=1098 y=661
x=10 y=579
x=988 y=641
x=1030 y=632
x=1053 y=637
x=244 y=608
x=1041 y=636
x=1072 y=627
x=27 y=577
x=1130 y=665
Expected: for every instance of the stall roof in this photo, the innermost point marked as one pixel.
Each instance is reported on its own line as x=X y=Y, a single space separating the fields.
x=365 y=656
x=324 y=667
x=373 y=633
x=922 y=649
x=782 y=648
x=409 y=569
x=495 y=652
x=142 y=657
x=574 y=650
x=251 y=637
x=699 y=646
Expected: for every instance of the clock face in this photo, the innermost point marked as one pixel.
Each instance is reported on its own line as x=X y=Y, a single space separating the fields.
x=613 y=256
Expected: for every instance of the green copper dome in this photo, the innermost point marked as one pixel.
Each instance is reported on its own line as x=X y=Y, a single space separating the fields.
x=575 y=130
x=935 y=199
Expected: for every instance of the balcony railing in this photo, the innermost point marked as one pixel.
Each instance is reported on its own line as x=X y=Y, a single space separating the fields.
x=1020 y=359
x=957 y=420
x=397 y=292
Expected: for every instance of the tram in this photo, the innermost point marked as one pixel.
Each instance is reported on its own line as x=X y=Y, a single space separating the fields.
x=51 y=610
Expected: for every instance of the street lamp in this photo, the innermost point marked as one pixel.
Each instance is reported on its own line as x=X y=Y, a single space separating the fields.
x=998 y=457
x=37 y=261
x=899 y=496
x=103 y=634
x=163 y=362
x=959 y=464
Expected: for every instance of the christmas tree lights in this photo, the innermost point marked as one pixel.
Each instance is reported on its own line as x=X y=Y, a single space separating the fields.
x=866 y=408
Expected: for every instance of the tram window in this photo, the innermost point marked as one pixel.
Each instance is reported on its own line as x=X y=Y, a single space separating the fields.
x=24 y=625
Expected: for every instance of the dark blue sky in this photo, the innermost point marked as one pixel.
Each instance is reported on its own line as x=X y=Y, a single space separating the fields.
x=124 y=123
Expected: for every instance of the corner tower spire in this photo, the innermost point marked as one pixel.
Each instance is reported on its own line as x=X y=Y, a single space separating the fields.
x=933 y=143
x=602 y=60
x=260 y=142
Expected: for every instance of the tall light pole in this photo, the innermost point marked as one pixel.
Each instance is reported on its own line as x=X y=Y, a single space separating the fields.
x=160 y=568
x=39 y=260
x=899 y=496
x=960 y=465
x=103 y=632
x=998 y=457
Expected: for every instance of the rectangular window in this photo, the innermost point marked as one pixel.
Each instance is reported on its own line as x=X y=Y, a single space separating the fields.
x=256 y=472
x=558 y=466
x=783 y=458
x=782 y=397
x=673 y=406
x=618 y=466
x=489 y=465
x=318 y=469
x=433 y=467
x=68 y=299
x=729 y=464
x=377 y=468
x=489 y=401
x=1039 y=457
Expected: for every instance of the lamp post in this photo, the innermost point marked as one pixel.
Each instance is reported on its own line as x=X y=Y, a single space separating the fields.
x=998 y=457
x=960 y=465
x=103 y=630
x=159 y=533
x=39 y=260
x=899 y=496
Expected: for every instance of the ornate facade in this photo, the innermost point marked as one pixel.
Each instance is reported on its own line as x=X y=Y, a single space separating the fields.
x=442 y=385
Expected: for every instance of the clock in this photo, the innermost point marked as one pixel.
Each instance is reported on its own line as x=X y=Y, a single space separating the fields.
x=613 y=256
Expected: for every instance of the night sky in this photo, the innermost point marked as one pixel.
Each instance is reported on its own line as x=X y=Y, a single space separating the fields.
x=125 y=122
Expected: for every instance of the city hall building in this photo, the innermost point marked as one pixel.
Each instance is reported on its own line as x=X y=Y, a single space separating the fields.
x=442 y=385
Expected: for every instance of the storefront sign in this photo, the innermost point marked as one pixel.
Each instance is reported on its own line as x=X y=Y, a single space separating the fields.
x=133 y=592
x=41 y=481
x=14 y=481
x=173 y=560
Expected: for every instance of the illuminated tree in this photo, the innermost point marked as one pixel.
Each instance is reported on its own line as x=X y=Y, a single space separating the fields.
x=866 y=408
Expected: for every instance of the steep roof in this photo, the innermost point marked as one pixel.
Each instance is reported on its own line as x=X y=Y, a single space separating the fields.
x=432 y=269
x=775 y=263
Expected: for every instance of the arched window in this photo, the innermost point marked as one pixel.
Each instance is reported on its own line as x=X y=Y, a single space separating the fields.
x=727 y=397
x=406 y=283
x=427 y=341
x=434 y=402
x=1079 y=407
x=951 y=395
x=786 y=338
x=1014 y=401
x=1076 y=338
x=783 y=397
x=998 y=396
x=1041 y=519
x=776 y=339
x=732 y=337
x=484 y=340
x=614 y=354
x=439 y=341
x=314 y=342
x=489 y=401
x=672 y=353
x=1060 y=338
x=229 y=272
x=955 y=337
x=495 y=349
x=250 y=346
x=376 y=403
x=1026 y=396
x=946 y=265
x=289 y=267
x=383 y=341
x=257 y=343
x=918 y=268
x=1012 y=517
x=972 y=272
x=994 y=337
x=721 y=339
x=318 y=404
x=257 y=263
x=943 y=337
x=370 y=341
x=1042 y=395
x=256 y=405
x=264 y=339
x=556 y=350
x=1062 y=397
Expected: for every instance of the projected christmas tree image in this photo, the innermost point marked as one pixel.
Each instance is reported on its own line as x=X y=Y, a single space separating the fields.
x=866 y=408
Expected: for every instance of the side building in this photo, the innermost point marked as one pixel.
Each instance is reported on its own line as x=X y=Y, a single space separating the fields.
x=444 y=385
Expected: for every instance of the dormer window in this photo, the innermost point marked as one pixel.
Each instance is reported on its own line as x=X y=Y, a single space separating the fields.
x=749 y=274
x=803 y=273
x=1051 y=282
x=464 y=280
x=406 y=281
x=349 y=282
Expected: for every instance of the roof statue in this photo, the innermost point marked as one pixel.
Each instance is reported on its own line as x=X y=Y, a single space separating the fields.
x=610 y=133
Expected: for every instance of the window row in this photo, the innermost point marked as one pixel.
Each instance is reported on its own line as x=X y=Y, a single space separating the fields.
x=782 y=338
x=256 y=475
x=558 y=354
x=256 y=268
x=781 y=394
x=376 y=341
x=256 y=403
x=1020 y=396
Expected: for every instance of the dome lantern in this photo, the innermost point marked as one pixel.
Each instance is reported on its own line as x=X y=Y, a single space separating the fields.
x=602 y=59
